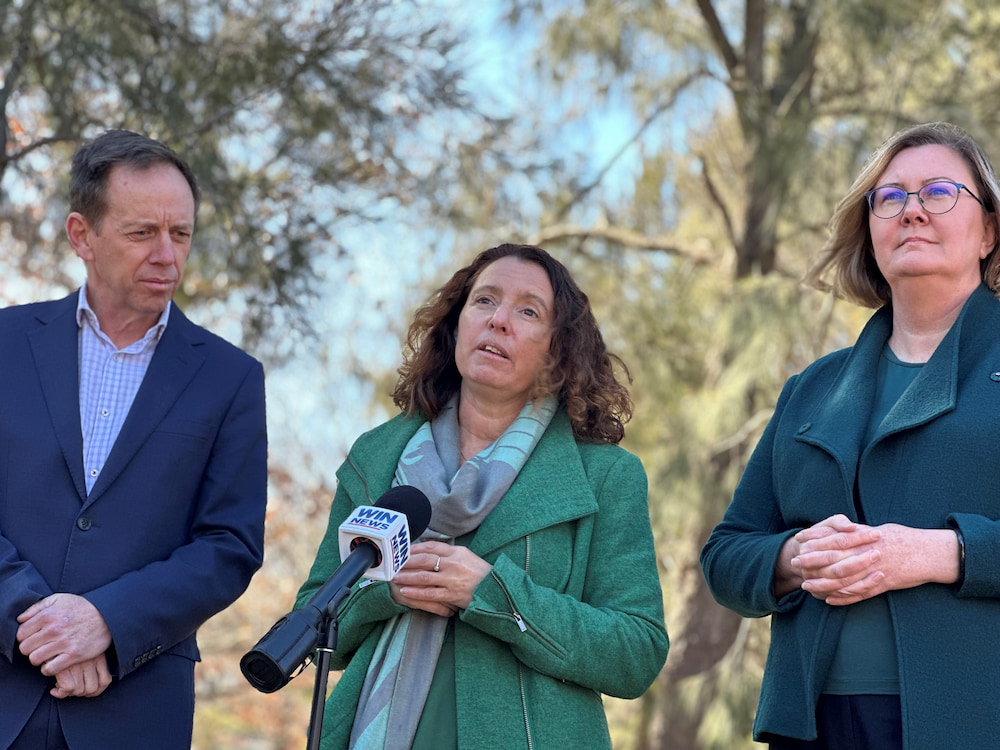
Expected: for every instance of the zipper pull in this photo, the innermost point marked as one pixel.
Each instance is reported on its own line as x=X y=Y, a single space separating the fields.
x=520 y=622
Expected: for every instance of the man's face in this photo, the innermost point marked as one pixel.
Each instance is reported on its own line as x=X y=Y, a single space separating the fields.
x=136 y=261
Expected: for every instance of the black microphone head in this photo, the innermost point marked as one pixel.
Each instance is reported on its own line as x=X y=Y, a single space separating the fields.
x=412 y=503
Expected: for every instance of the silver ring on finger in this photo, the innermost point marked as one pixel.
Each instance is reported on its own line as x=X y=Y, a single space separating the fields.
x=437 y=566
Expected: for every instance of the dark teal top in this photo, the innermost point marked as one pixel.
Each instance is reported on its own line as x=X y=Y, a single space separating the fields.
x=866 y=661
x=438 y=727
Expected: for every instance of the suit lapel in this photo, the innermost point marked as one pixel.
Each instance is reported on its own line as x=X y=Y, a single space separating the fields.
x=55 y=346
x=179 y=355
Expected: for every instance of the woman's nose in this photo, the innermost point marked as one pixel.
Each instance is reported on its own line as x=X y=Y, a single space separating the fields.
x=499 y=318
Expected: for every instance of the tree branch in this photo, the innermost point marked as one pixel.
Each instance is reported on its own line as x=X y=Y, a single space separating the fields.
x=662 y=107
x=719 y=38
x=720 y=204
x=619 y=236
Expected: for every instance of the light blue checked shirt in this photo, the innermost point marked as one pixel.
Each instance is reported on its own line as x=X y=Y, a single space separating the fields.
x=109 y=379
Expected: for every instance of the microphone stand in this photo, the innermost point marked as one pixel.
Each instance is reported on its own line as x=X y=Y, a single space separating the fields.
x=328 y=637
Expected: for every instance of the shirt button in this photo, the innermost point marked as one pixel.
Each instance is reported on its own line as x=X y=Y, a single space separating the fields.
x=104 y=412
x=93 y=472
x=83 y=523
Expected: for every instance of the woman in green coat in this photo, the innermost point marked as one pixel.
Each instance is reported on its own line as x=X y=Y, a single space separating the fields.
x=535 y=588
x=866 y=522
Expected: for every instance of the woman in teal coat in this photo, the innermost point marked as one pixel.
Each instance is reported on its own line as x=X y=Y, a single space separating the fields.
x=866 y=522
x=535 y=588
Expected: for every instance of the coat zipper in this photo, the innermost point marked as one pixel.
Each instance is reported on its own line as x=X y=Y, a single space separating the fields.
x=520 y=667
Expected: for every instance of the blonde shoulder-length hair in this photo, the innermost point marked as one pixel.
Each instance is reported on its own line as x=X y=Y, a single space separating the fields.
x=847 y=263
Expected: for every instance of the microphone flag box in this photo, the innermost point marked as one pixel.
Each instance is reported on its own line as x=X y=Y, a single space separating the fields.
x=385 y=529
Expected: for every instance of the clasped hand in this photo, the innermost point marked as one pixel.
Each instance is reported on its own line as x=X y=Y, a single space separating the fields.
x=66 y=637
x=439 y=578
x=843 y=562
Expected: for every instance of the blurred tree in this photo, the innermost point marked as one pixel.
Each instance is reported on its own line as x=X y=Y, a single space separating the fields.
x=304 y=122
x=747 y=122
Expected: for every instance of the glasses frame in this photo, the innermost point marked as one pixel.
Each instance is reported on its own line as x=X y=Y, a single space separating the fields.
x=870 y=198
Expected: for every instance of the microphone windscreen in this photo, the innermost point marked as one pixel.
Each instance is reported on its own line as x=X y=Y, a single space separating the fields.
x=412 y=503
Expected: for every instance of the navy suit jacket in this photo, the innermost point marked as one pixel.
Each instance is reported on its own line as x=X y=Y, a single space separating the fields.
x=170 y=534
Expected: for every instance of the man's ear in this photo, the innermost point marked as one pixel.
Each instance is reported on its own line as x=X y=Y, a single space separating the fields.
x=78 y=230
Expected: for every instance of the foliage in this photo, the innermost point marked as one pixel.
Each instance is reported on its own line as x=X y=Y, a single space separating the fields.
x=735 y=129
x=306 y=122
x=748 y=122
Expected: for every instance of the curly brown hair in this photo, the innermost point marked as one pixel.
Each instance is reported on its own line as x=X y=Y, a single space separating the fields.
x=580 y=369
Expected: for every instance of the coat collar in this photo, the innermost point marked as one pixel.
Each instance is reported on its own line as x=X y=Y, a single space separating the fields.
x=839 y=421
x=55 y=347
x=551 y=488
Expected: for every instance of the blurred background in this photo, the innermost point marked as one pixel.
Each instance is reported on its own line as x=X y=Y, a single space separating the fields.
x=681 y=157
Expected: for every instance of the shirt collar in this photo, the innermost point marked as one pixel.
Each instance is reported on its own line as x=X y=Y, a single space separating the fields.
x=86 y=314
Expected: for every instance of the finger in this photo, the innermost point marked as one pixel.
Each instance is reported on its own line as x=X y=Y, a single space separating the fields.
x=848 y=586
x=840 y=522
x=843 y=541
x=104 y=675
x=814 y=532
x=54 y=665
x=418 y=577
x=92 y=682
x=28 y=628
x=870 y=586
x=432 y=562
x=41 y=656
x=427 y=593
x=834 y=563
x=34 y=609
x=831 y=525
x=434 y=607
x=66 y=685
x=835 y=578
x=430 y=548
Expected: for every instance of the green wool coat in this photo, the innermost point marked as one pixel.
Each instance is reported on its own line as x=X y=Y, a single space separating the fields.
x=572 y=554
x=934 y=463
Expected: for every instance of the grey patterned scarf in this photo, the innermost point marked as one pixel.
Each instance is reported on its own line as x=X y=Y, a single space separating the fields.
x=402 y=668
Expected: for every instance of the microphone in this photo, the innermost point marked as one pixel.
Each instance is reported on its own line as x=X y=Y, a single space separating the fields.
x=374 y=543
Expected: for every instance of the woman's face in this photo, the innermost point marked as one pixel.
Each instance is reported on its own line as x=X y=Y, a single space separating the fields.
x=504 y=330
x=917 y=243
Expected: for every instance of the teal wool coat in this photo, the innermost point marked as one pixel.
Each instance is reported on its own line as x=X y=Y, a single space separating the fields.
x=933 y=463
x=572 y=555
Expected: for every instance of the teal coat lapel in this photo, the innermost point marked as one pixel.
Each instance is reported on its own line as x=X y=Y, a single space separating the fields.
x=839 y=422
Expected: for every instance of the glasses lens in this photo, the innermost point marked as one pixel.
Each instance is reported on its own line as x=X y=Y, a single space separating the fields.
x=939 y=197
x=886 y=202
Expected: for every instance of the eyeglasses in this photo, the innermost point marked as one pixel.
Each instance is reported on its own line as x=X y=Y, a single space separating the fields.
x=940 y=197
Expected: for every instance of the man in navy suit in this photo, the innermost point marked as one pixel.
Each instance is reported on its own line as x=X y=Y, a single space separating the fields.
x=133 y=472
